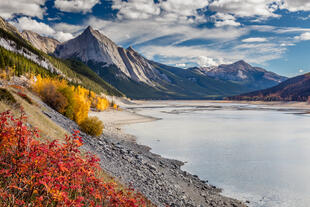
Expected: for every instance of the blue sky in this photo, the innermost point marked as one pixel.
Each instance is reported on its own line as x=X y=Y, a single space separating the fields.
x=273 y=34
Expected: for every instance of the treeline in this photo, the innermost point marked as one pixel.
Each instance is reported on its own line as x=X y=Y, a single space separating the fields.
x=19 y=65
x=12 y=63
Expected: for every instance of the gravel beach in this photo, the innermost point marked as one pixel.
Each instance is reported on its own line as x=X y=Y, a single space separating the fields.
x=161 y=180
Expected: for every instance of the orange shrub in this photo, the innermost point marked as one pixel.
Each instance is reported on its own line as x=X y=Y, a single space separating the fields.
x=51 y=174
x=54 y=98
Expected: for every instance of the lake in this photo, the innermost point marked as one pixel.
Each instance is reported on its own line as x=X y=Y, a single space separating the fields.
x=256 y=153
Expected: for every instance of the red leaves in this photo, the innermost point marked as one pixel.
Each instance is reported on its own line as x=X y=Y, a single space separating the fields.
x=50 y=174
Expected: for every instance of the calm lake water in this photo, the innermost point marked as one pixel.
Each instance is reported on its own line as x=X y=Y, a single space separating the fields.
x=255 y=153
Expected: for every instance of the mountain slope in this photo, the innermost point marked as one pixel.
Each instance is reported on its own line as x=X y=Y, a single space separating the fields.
x=293 y=89
x=45 y=44
x=243 y=73
x=9 y=28
x=139 y=78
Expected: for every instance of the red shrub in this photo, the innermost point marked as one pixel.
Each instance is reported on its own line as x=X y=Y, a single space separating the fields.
x=51 y=174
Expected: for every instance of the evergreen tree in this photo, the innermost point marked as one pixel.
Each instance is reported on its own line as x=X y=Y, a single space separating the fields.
x=2 y=63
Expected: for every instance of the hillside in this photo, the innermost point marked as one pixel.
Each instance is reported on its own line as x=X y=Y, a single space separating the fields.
x=293 y=89
x=26 y=59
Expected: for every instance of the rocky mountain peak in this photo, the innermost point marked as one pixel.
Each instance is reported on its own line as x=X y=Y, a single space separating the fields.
x=240 y=62
x=93 y=46
x=239 y=65
x=90 y=32
x=131 y=49
x=45 y=44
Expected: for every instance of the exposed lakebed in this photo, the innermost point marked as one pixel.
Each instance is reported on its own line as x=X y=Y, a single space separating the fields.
x=256 y=153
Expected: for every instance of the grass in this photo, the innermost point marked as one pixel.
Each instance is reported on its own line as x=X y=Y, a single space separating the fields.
x=34 y=114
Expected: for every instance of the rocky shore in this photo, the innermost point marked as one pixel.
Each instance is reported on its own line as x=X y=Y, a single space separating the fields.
x=158 y=178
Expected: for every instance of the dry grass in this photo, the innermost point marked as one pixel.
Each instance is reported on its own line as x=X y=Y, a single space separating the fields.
x=47 y=128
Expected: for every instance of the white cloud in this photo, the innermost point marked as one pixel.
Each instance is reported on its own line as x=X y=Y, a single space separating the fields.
x=183 y=9
x=33 y=8
x=285 y=44
x=169 y=10
x=296 y=5
x=26 y=23
x=75 y=5
x=303 y=36
x=255 y=39
x=136 y=9
x=140 y=31
x=204 y=61
x=246 y=8
x=224 y=20
x=301 y=71
x=180 y=65
x=69 y=28
x=208 y=56
x=62 y=36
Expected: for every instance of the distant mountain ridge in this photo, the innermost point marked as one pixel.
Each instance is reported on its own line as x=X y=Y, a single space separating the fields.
x=139 y=77
x=243 y=73
x=293 y=89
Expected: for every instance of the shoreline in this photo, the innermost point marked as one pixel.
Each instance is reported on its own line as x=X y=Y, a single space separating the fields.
x=160 y=179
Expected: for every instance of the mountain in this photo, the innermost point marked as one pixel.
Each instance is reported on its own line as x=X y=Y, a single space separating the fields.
x=138 y=77
x=293 y=89
x=243 y=73
x=45 y=44
x=93 y=46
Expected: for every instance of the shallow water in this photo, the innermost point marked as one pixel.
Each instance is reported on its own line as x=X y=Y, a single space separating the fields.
x=254 y=153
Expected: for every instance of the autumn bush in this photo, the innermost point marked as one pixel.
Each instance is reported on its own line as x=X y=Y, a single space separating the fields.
x=78 y=99
x=34 y=173
x=6 y=96
x=52 y=97
x=92 y=126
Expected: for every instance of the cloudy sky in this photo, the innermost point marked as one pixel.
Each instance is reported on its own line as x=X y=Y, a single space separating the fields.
x=274 y=34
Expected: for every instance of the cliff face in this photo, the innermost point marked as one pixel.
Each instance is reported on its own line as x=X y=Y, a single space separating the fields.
x=45 y=44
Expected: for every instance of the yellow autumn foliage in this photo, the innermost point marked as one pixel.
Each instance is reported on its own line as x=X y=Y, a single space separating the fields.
x=102 y=104
x=78 y=98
